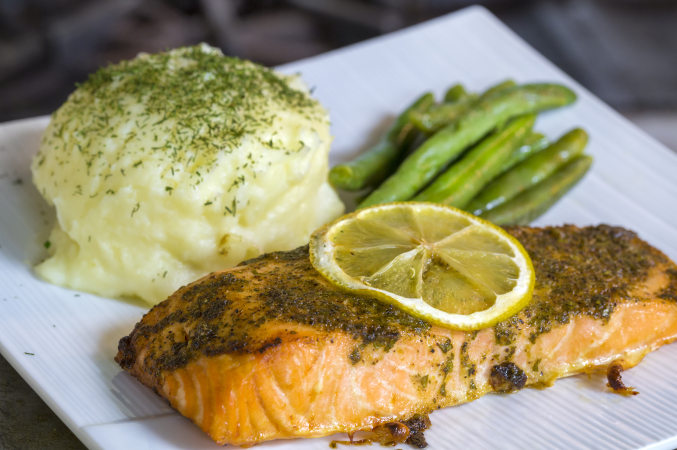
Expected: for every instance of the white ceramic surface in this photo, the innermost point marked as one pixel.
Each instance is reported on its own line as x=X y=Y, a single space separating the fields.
x=63 y=342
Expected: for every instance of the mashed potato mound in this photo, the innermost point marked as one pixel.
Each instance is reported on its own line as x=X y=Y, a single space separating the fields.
x=172 y=165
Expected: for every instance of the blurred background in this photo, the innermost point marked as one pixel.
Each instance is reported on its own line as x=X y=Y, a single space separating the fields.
x=625 y=51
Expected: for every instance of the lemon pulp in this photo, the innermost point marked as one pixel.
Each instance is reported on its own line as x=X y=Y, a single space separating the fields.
x=436 y=262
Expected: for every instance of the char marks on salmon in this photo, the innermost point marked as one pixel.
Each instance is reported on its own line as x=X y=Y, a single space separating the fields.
x=271 y=350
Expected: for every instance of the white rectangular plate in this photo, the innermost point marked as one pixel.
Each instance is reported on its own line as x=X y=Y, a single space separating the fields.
x=63 y=342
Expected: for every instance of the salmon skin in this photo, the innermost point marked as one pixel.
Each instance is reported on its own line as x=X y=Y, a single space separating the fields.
x=271 y=350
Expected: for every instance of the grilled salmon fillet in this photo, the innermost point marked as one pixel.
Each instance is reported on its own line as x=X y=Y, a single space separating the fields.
x=271 y=350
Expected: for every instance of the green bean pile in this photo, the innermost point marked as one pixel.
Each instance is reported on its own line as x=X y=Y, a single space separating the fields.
x=475 y=152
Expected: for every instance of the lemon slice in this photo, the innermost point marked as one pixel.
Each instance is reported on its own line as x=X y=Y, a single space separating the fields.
x=436 y=262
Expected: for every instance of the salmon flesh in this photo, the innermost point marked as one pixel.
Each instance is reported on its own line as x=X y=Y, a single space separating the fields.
x=271 y=350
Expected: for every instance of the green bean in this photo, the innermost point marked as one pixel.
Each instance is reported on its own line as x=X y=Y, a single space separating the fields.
x=529 y=172
x=375 y=164
x=465 y=178
x=533 y=143
x=443 y=147
x=441 y=115
x=455 y=93
x=535 y=201
x=456 y=102
x=507 y=84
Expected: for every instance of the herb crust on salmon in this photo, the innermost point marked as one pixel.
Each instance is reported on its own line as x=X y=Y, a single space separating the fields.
x=271 y=350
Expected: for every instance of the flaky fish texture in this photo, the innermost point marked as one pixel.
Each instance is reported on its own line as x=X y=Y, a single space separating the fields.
x=271 y=350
